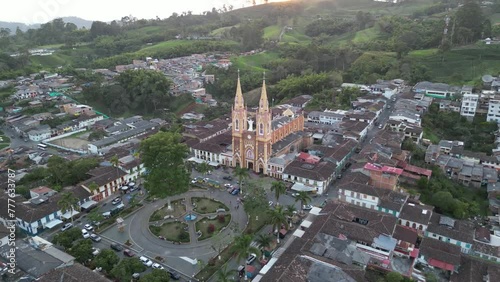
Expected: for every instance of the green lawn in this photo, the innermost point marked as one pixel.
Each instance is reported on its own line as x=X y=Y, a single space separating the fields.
x=460 y=66
x=294 y=36
x=207 y=206
x=254 y=62
x=171 y=231
x=495 y=18
x=202 y=225
x=366 y=35
x=52 y=61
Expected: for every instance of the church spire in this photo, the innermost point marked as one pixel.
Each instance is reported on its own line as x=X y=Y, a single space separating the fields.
x=263 y=103
x=239 y=103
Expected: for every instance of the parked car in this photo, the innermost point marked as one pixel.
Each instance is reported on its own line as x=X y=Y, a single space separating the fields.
x=116 y=247
x=95 y=251
x=88 y=227
x=271 y=203
x=66 y=226
x=116 y=201
x=174 y=275
x=295 y=194
x=147 y=262
x=235 y=191
x=136 y=275
x=157 y=266
x=228 y=185
x=85 y=233
x=95 y=237
x=307 y=207
x=251 y=258
x=381 y=126
x=128 y=253
x=227 y=178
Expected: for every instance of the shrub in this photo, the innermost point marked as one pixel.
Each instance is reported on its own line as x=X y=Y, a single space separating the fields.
x=211 y=228
x=221 y=218
x=184 y=236
x=155 y=229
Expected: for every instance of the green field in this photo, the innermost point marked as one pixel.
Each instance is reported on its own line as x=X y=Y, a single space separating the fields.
x=495 y=18
x=460 y=65
x=366 y=35
x=52 y=61
x=272 y=32
x=254 y=62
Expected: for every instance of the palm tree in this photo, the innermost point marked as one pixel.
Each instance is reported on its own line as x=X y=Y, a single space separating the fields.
x=240 y=173
x=279 y=189
x=290 y=211
x=277 y=217
x=68 y=202
x=304 y=199
x=224 y=274
x=93 y=187
x=264 y=242
x=203 y=168
x=242 y=247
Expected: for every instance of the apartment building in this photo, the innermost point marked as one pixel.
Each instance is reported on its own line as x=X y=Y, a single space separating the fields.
x=469 y=105
x=494 y=110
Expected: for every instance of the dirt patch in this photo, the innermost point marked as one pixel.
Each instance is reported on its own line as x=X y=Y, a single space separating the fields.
x=72 y=143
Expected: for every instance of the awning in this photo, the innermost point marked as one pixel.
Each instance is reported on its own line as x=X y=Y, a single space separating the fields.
x=306 y=224
x=53 y=223
x=315 y=211
x=302 y=187
x=69 y=214
x=214 y=163
x=196 y=160
x=441 y=264
x=299 y=233
x=88 y=204
x=414 y=253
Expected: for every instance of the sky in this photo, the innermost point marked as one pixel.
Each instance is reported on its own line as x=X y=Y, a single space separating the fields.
x=41 y=11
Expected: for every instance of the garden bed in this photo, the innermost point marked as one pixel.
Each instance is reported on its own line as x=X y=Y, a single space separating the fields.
x=178 y=209
x=171 y=231
x=207 y=206
x=210 y=227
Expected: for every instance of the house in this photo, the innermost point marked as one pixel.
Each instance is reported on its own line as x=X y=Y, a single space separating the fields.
x=42 y=213
x=108 y=181
x=473 y=269
x=415 y=216
x=27 y=92
x=212 y=150
x=435 y=90
x=37 y=257
x=338 y=154
x=383 y=176
x=41 y=133
x=367 y=196
x=300 y=101
x=384 y=88
x=456 y=232
x=407 y=241
x=494 y=110
x=438 y=254
x=451 y=106
x=73 y=273
x=493 y=190
x=355 y=130
x=312 y=177
x=326 y=117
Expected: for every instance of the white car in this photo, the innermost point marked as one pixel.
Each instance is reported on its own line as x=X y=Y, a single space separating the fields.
x=228 y=185
x=95 y=251
x=157 y=266
x=85 y=234
x=307 y=207
x=251 y=258
x=147 y=262
x=381 y=126
x=271 y=203
x=66 y=226
x=88 y=227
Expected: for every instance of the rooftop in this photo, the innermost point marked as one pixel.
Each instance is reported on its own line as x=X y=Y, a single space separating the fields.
x=73 y=273
x=416 y=213
x=472 y=269
x=319 y=172
x=460 y=230
x=441 y=251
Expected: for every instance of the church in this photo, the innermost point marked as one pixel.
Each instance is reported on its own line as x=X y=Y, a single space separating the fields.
x=254 y=133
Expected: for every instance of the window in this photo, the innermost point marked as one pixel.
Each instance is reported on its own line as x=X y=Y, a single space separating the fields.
x=237 y=125
x=261 y=129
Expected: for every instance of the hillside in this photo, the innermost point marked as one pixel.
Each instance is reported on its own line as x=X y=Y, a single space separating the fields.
x=79 y=22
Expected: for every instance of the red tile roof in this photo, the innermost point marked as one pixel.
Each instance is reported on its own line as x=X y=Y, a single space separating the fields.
x=387 y=169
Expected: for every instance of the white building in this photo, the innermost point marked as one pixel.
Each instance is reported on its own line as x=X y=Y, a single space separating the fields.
x=469 y=105
x=326 y=117
x=39 y=134
x=494 y=110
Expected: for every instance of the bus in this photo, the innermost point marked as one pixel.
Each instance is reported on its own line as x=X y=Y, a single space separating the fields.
x=42 y=147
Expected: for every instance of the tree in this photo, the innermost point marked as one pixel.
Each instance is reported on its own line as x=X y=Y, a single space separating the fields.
x=279 y=189
x=393 y=277
x=157 y=275
x=240 y=173
x=82 y=251
x=264 y=241
x=242 y=247
x=127 y=266
x=95 y=215
x=225 y=275
x=277 y=217
x=469 y=19
x=303 y=198
x=93 y=187
x=290 y=211
x=68 y=202
x=66 y=238
x=163 y=156
x=106 y=259
x=115 y=162
x=218 y=243
x=203 y=168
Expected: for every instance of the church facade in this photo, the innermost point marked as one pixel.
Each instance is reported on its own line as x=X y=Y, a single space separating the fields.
x=254 y=135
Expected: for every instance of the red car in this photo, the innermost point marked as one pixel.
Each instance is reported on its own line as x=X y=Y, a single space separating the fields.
x=128 y=253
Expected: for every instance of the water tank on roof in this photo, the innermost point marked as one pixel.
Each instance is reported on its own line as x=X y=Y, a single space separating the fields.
x=487 y=78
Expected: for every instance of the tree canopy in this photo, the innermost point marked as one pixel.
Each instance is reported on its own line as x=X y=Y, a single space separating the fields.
x=163 y=156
